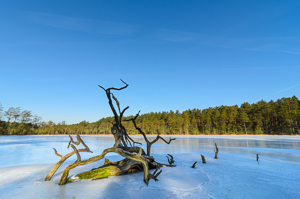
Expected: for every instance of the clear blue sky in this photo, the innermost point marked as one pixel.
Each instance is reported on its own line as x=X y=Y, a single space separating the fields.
x=175 y=55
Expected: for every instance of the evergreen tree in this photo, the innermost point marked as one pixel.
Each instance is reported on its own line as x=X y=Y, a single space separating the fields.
x=244 y=119
x=186 y=122
x=9 y=115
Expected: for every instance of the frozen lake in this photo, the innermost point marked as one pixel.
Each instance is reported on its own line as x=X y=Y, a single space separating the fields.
x=26 y=160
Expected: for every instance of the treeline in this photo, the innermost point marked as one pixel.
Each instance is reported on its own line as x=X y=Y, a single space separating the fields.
x=14 y=121
x=281 y=117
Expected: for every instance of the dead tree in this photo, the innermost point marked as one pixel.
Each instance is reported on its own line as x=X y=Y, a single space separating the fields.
x=118 y=129
x=216 y=151
x=135 y=157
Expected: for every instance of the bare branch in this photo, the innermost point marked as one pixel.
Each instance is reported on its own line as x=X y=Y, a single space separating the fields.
x=194 y=165
x=78 y=155
x=129 y=139
x=171 y=160
x=118 y=89
x=153 y=176
x=149 y=144
x=79 y=140
x=121 y=114
x=64 y=158
x=124 y=82
x=71 y=141
x=117 y=102
x=133 y=119
x=168 y=142
x=102 y=88
x=57 y=153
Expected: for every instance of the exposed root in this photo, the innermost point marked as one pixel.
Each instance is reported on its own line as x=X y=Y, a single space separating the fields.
x=136 y=157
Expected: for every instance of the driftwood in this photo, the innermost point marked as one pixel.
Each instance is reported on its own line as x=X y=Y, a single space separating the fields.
x=216 y=151
x=135 y=157
x=203 y=159
x=111 y=169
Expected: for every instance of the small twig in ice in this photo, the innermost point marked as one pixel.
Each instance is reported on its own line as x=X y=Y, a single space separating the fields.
x=194 y=165
x=203 y=159
x=216 y=151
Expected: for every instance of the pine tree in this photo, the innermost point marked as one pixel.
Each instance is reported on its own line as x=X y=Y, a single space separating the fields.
x=215 y=119
x=243 y=116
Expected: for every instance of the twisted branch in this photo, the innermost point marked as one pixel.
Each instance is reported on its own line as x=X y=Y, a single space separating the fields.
x=118 y=131
x=79 y=140
x=153 y=176
x=77 y=153
x=149 y=144
x=63 y=158
x=171 y=160
x=57 y=153
x=108 y=94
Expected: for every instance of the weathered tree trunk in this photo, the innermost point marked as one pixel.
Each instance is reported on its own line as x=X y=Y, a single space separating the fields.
x=112 y=169
x=136 y=157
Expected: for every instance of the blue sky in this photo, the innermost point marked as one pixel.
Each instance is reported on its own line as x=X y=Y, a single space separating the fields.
x=175 y=55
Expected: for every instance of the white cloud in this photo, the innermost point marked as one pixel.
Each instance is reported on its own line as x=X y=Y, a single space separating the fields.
x=79 y=24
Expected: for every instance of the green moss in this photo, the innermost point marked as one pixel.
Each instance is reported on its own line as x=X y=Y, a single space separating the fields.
x=107 y=161
x=102 y=172
x=70 y=180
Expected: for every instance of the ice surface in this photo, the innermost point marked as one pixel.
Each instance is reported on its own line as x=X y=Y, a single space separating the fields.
x=26 y=160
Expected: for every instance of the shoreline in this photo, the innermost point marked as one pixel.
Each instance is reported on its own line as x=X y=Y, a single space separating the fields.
x=232 y=137
x=152 y=135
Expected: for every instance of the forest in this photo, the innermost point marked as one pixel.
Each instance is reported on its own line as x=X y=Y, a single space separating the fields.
x=281 y=117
